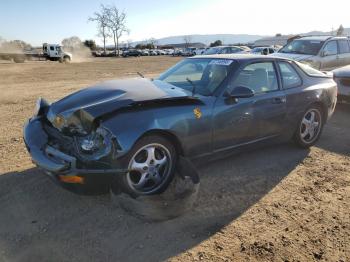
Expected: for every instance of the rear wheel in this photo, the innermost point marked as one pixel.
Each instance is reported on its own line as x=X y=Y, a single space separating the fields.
x=151 y=164
x=66 y=59
x=310 y=127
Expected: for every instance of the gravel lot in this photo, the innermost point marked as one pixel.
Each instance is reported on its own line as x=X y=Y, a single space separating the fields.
x=273 y=204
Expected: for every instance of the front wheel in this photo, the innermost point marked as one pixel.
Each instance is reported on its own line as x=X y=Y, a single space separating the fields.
x=151 y=164
x=66 y=59
x=309 y=128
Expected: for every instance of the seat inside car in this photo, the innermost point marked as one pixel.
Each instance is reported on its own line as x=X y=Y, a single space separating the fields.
x=259 y=80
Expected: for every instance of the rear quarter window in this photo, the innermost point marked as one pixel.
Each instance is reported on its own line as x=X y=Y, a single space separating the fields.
x=311 y=71
x=290 y=77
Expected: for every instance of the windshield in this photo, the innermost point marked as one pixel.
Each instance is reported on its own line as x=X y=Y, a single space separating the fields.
x=202 y=74
x=305 y=47
x=257 y=49
x=212 y=51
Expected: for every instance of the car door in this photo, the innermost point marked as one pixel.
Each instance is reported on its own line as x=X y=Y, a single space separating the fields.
x=330 y=58
x=344 y=52
x=241 y=121
x=269 y=99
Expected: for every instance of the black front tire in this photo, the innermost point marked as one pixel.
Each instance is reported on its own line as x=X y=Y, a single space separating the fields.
x=121 y=182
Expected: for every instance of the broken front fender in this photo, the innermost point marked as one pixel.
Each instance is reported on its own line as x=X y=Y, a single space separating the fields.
x=51 y=159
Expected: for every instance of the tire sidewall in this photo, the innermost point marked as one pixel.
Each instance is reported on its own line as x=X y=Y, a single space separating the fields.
x=120 y=182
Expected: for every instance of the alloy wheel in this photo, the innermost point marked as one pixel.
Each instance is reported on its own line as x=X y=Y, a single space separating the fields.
x=149 y=168
x=310 y=126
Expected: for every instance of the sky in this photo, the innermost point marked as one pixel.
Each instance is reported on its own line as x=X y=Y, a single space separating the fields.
x=39 y=21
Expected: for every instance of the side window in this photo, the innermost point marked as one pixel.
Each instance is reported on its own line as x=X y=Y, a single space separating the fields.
x=235 y=50
x=226 y=50
x=290 y=77
x=343 y=46
x=52 y=48
x=271 y=50
x=331 y=48
x=259 y=77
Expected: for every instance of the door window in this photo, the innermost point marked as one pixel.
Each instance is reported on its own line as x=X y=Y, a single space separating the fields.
x=343 y=46
x=290 y=77
x=259 y=77
x=331 y=48
x=52 y=48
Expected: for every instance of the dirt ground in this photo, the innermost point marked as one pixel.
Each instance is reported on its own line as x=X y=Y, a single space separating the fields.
x=278 y=203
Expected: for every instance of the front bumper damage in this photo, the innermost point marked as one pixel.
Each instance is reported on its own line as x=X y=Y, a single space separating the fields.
x=64 y=168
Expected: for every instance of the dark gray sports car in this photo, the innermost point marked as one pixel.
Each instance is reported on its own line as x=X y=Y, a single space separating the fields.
x=131 y=132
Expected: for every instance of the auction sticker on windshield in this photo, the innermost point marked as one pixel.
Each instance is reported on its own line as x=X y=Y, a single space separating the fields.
x=223 y=62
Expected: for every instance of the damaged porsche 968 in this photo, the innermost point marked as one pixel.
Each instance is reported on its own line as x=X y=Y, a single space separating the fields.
x=131 y=132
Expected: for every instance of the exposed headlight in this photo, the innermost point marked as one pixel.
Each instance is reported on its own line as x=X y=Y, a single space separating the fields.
x=40 y=106
x=95 y=145
x=59 y=122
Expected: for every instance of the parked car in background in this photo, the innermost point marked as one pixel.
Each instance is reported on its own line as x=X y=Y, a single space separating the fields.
x=178 y=52
x=153 y=52
x=200 y=51
x=320 y=52
x=132 y=52
x=342 y=78
x=161 y=52
x=263 y=50
x=169 y=51
x=131 y=132
x=226 y=50
x=145 y=52
x=190 y=51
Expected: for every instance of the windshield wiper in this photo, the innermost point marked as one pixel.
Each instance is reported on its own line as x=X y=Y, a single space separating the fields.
x=193 y=85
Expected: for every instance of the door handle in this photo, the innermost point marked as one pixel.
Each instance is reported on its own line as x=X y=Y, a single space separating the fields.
x=278 y=100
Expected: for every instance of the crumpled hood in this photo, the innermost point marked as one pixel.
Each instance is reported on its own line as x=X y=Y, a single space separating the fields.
x=296 y=57
x=96 y=101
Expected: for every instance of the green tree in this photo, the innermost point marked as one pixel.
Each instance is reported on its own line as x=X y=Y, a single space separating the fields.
x=90 y=44
x=216 y=43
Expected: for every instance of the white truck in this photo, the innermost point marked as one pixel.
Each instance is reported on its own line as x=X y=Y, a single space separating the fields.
x=52 y=52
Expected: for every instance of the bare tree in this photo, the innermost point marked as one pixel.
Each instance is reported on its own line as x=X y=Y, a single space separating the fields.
x=152 y=41
x=340 y=30
x=116 y=22
x=187 y=40
x=101 y=18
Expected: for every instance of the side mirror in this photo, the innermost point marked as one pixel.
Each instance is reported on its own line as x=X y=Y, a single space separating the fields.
x=241 y=92
x=324 y=53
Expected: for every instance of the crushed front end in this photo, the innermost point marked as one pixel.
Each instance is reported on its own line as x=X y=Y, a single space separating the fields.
x=77 y=153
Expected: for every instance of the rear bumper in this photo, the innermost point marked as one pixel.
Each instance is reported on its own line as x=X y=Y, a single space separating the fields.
x=57 y=164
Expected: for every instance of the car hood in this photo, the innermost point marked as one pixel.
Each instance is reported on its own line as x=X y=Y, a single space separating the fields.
x=93 y=102
x=296 y=57
x=343 y=72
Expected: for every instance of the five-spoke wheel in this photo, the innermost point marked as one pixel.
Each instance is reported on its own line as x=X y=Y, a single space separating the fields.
x=149 y=167
x=151 y=164
x=310 y=127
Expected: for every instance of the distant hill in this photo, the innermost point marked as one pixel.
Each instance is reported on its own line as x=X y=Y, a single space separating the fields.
x=346 y=32
x=225 y=38
x=206 y=39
